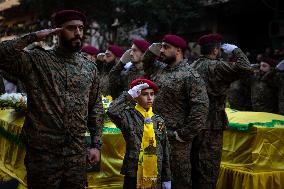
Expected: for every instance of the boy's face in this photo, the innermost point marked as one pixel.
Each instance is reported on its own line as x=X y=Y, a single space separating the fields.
x=146 y=98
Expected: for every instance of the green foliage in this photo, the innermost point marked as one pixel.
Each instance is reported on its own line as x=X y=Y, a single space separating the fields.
x=161 y=16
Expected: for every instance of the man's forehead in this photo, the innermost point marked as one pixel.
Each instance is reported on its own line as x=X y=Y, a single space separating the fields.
x=149 y=90
x=166 y=44
x=264 y=63
x=73 y=23
x=108 y=52
x=134 y=46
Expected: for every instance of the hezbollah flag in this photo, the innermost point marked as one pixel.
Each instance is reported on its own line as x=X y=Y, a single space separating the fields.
x=243 y=121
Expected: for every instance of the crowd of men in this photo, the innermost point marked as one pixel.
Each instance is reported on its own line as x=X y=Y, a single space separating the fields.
x=64 y=87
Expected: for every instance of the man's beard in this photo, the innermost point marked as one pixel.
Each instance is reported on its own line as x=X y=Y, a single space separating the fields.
x=168 y=60
x=73 y=47
x=108 y=66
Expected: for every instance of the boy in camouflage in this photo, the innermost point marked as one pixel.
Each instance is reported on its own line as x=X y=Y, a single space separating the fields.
x=146 y=162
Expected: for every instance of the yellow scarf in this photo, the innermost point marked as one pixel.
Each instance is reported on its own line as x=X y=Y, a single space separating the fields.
x=147 y=165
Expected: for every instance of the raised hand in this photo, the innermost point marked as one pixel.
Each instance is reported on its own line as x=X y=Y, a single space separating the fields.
x=126 y=57
x=155 y=48
x=228 y=48
x=42 y=34
x=136 y=90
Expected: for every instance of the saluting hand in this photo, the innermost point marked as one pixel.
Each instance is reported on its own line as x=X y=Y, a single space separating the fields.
x=101 y=56
x=155 y=48
x=136 y=90
x=126 y=57
x=42 y=34
x=228 y=48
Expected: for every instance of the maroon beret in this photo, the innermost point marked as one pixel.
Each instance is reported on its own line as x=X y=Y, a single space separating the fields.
x=116 y=50
x=175 y=41
x=141 y=44
x=269 y=61
x=90 y=50
x=63 y=16
x=210 y=38
x=151 y=84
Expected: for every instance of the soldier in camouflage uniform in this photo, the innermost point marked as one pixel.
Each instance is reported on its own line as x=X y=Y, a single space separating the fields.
x=131 y=124
x=217 y=75
x=182 y=101
x=124 y=72
x=275 y=79
x=239 y=95
x=263 y=95
x=90 y=51
x=105 y=62
x=63 y=101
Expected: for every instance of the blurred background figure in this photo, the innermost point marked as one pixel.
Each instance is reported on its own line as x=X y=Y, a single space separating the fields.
x=90 y=51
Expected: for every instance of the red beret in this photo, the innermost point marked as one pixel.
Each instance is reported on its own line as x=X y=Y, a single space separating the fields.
x=151 y=84
x=175 y=41
x=63 y=16
x=90 y=50
x=141 y=44
x=269 y=61
x=116 y=50
x=210 y=38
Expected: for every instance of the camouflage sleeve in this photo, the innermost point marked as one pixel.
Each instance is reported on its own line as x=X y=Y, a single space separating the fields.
x=115 y=78
x=230 y=71
x=100 y=65
x=166 y=169
x=116 y=109
x=150 y=65
x=199 y=107
x=13 y=58
x=95 y=115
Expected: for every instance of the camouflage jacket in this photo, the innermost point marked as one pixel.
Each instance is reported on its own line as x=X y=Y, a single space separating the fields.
x=275 y=80
x=131 y=123
x=218 y=75
x=182 y=99
x=63 y=96
x=239 y=95
x=120 y=78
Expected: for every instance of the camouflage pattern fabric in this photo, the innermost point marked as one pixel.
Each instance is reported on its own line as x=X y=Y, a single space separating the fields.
x=275 y=79
x=239 y=95
x=217 y=75
x=183 y=102
x=52 y=171
x=263 y=96
x=120 y=79
x=131 y=123
x=206 y=157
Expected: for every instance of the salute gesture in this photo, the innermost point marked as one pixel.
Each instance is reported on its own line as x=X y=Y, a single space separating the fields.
x=136 y=91
x=42 y=34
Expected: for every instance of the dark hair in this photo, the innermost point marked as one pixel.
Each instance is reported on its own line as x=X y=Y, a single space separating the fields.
x=208 y=47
